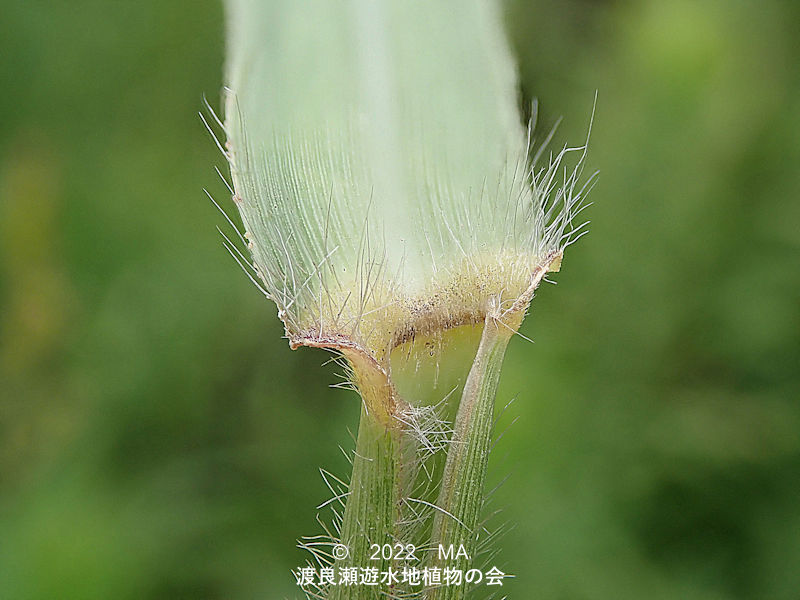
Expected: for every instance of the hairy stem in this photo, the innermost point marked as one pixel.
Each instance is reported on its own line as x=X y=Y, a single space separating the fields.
x=461 y=494
x=371 y=510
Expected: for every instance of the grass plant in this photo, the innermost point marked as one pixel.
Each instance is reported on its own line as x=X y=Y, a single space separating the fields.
x=399 y=213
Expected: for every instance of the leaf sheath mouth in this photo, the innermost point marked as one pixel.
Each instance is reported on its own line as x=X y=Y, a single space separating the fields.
x=371 y=366
x=427 y=316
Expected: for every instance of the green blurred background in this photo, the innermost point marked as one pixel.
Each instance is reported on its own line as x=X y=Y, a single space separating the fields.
x=158 y=440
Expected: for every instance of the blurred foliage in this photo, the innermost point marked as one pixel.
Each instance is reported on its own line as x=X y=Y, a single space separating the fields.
x=159 y=440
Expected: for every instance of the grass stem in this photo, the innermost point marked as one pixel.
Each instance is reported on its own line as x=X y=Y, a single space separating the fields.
x=460 y=499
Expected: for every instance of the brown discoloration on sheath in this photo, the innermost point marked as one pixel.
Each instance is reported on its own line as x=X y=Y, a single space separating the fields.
x=373 y=374
x=377 y=390
x=552 y=262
